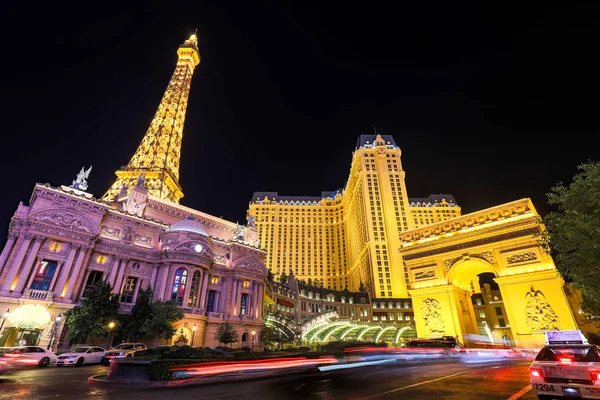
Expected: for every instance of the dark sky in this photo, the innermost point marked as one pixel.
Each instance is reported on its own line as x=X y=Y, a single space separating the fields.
x=489 y=104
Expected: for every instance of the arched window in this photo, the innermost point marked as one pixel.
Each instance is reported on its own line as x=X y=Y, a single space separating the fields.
x=194 y=289
x=179 y=284
x=244 y=337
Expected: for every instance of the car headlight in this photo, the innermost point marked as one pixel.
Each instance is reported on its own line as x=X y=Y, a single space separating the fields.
x=71 y=356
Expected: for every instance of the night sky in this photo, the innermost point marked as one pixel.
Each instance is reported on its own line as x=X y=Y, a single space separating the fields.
x=488 y=104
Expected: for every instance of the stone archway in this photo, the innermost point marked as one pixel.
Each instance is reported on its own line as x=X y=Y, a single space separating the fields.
x=443 y=259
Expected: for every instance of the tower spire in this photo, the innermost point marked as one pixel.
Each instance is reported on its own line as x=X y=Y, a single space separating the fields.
x=157 y=156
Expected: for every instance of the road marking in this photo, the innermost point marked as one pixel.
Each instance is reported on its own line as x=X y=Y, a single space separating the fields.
x=299 y=387
x=520 y=392
x=415 y=384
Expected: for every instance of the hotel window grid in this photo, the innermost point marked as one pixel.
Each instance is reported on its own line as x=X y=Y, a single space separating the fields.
x=43 y=275
x=179 y=284
x=129 y=289
x=194 y=289
x=93 y=278
x=210 y=305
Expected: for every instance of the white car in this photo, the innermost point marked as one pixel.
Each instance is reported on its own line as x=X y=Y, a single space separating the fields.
x=566 y=370
x=80 y=355
x=29 y=355
x=124 y=350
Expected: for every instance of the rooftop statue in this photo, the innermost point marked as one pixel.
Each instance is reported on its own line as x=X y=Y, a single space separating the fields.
x=80 y=182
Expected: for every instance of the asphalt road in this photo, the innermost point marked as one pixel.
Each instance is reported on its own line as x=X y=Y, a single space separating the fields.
x=446 y=380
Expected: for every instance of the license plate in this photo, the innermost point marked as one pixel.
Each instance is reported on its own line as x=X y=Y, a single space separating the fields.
x=571 y=392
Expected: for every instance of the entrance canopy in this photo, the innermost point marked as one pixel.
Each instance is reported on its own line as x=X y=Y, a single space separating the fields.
x=30 y=316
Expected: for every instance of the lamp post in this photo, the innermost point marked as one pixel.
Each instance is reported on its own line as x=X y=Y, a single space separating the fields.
x=54 y=328
x=253 y=335
x=4 y=317
x=111 y=325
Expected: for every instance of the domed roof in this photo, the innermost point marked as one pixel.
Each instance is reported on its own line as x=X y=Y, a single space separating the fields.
x=188 y=225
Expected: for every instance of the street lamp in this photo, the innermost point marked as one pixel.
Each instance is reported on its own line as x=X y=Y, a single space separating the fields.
x=193 y=332
x=253 y=334
x=54 y=328
x=111 y=325
x=4 y=317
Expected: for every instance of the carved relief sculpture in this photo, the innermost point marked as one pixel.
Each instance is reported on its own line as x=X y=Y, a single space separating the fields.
x=539 y=315
x=431 y=312
x=518 y=258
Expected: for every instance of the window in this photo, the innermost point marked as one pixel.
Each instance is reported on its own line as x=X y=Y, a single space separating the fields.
x=498 y=310
x=243 y=306
x=210 y=306
x=194 y=289
x=214 y=281
x=43 y=275
x=93 y=278
x=501 y=323
x=129 y=289
x=179 y=284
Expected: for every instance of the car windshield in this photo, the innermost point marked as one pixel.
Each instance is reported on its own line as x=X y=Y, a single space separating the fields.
x=79 y=350
x=577 y=354
x=124 y=347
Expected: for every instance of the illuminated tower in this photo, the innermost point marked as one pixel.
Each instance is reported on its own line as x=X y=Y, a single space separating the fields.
x=157 y=157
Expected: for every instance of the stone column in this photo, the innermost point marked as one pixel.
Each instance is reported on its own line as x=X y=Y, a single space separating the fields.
x=137 y=289
x=238 y=299
x=28 y=265
x=166 y=295
x=222 y=294
x=259 y=302
x=120 y=273
x=113 y=270
x=55 y=277
x=16 y=265
x=204 y=289
x=254 y=297
x=32 y=276
x=64 y=272
x=163 y=281
x=7 y=249
x=232 y=310
x=152 y=281
x=75 y=274
x=188 y=287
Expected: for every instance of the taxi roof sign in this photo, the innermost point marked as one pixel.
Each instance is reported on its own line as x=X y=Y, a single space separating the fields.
x=565 y=337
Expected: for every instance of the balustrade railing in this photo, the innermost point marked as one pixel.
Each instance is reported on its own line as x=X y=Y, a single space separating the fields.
x=38 y=295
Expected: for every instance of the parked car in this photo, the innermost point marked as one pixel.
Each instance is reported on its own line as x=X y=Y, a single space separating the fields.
x=22 y=356
x=124 y=350
x=81 y=355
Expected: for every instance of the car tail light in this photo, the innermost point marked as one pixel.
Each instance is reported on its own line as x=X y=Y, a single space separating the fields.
x=537 y=372
x=565 y=360
x=594 y=374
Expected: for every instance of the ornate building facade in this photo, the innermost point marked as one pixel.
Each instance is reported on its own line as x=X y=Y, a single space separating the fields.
x=137 y=235
x=371 y=234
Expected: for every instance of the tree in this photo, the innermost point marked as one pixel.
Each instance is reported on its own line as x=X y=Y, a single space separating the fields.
x=91 y=317
x=270 y=276
x=309 y=282
x=132 y=325
x=361 y=287
x=283 y=278
x=159 y=324
x=269 y=336
x=227 y=334
x=571 y=233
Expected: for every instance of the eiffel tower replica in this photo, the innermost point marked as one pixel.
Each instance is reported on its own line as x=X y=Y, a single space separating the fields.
x=156 y=160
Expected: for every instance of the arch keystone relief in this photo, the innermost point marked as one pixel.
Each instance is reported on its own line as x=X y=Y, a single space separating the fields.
x=539 y=315
x=431 y=312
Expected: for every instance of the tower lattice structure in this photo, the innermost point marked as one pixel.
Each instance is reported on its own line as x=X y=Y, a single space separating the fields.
x=157 y=157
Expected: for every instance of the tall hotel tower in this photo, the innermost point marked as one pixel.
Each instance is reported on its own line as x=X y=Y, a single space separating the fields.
x=350 y=238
